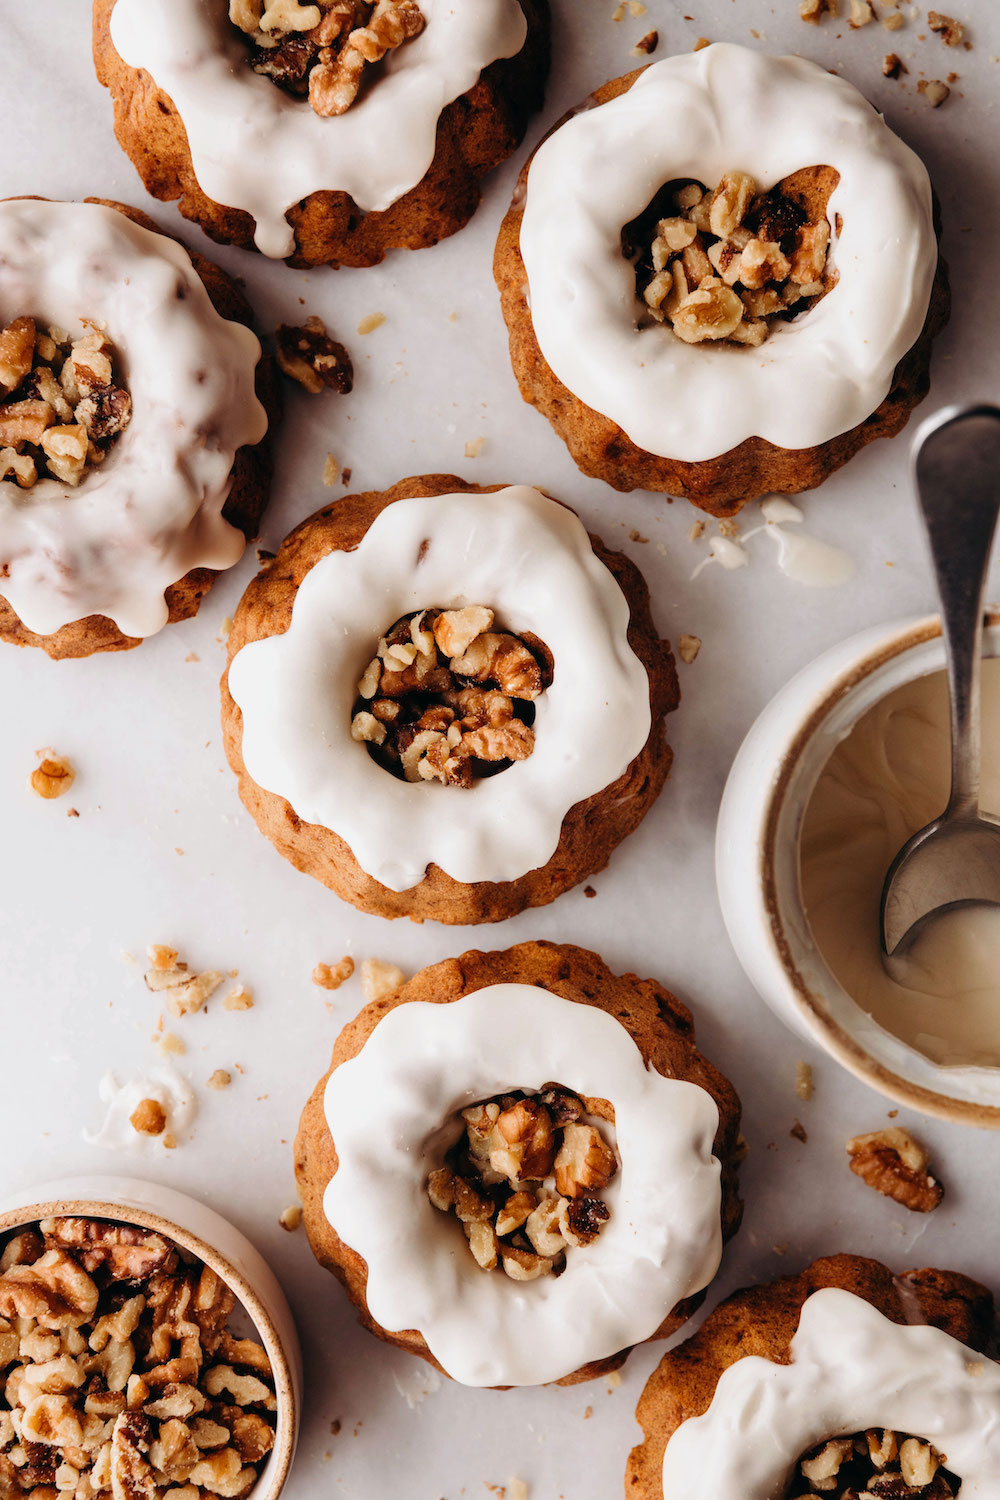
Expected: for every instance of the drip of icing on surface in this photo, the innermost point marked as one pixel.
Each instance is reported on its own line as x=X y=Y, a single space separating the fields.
x=886 y=779
x=165 y=1086
x=801 y=556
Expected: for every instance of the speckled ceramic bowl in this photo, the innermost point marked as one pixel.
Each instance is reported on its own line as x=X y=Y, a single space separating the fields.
x=215 y=1242
x=770 y=785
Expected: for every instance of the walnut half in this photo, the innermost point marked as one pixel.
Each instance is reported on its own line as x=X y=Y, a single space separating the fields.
x=893 y=1163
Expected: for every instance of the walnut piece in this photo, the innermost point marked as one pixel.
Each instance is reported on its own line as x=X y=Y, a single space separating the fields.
x=379 y=979
x=309 y=356
x=53 y=775
x=893 y=1163
x=183 y=992
x=951 y=32
x=332 y=976
x=496 y=1180
x=877 y=1462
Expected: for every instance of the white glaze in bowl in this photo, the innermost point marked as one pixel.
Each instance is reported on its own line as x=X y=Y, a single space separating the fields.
x=757 y=865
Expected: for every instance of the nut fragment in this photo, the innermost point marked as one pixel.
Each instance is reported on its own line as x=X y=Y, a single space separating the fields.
x=877 y=1462
x=951 y=32
x=308 y=355
x=184 y=993
x=379 y=979
x=148 y=1118
x=332 y=976
x=53 y=775
x=934 y=91
x=893 y=1163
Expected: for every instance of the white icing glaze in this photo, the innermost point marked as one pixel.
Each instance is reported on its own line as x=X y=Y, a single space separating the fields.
x=531 y=561
x=888 y=777
x=256 y=148
x=851 y=1369
x=802 y=556
x=727 y=108
x=153 y=510
x=385 y=1109
x=121 y=1097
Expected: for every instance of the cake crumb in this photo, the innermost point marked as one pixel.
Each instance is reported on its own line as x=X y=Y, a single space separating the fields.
x=798 y=1132
x=225 y=628
x=803 y=1080
x=688 y=647
x=703 y=41
x=588 y=1414
x=475 y=447
x=646 y=44
x=241 y=998
x=379 y=978
x=894 y=21
x=52 y=776
x=331 y=471
x=290 y=1218
x=516 y=1488
x=589 y=891
x=893 y=65
x=335 y=1426
x=637 y=536
x=220 y=1079
x=192 y=656
x=371 y=322
x=331 y=977
x=171 y=1045
x=148 y=1118
x=614 y=1380
x=934 y=91
x=697 y=530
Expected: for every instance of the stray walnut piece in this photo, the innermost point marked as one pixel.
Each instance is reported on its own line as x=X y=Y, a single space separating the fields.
x=118 y=1374
x=876 y=1463
x=309 y=356
x=61 y=407
x=448 y=698
x=323 y=51
x=893 y=1163
x=522 y=1180
x=725 y=266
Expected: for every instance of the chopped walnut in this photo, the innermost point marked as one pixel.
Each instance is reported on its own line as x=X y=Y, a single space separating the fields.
x=322 y=51
x=183 y=992
x=522 y=1179
x=951 y=32
x=814 y=10
x=448 y=697
x=332 y=976
x=688 y=647
x=893 y=1163
x=112 y=1380
x=725 y=266
x=379 y=979
x=878 y=1462
x=934 y=91
x=646 y=44
x=61 y=405
x=52 y=776
x=148 y=1118
x=309 y=356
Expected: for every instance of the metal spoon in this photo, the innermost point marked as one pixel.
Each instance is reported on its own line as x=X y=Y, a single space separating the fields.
x=954 y=861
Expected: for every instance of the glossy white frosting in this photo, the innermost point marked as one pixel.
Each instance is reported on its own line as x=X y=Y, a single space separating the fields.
x=700 y=115
x=153 y=510
x=256 y=148
x=530 y=560
x=851 y=1369
x=122 y=1096
x=386 y=1109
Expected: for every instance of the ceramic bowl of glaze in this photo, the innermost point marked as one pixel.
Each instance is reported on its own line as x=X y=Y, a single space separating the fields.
x=759 y=876
x=215 y=1242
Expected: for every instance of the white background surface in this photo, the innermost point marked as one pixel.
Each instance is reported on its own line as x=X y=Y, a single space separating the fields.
x=142 y=730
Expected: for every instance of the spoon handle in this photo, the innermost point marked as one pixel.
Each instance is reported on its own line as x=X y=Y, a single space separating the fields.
x=957 y=474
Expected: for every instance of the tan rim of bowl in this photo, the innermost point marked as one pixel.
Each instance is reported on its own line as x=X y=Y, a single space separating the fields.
x=839 y=1042
x=280 y=1458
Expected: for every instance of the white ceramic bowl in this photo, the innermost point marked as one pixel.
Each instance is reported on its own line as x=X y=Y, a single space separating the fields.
x=219 y=1245
x=757 y=865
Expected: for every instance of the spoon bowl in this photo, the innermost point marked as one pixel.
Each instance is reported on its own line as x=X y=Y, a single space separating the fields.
x=955 y=860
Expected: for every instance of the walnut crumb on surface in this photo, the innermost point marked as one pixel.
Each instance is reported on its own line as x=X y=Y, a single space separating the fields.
x=517 y=1489
x=646 y=44
x=148 y=1118
x=53 y=775
x=309 y=356
x=934 y=91
x=241 y=998
x=688 y=647
x=637 y=536
x=331 y=471
x=951 y=32
x=371 y=322
x=379 y=978
x=813 y=11
x=474 y=447
x=291 y=1217
x=893 y=21
x=701 y=43
x=332 y=976
x=803 y=1080
x=220 y=1079
x=893 y=65
x=183 y=992
x=895 y=1164
x=172 y=1046
x=861 y=14
x=798 y=1132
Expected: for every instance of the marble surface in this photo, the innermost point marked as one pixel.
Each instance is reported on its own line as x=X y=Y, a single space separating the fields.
x=162 y=851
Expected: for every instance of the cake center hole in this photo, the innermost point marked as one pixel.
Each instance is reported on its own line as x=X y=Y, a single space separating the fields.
x=448 y=697
x=63 y=403
x=524 y=1180
x=328 y=53
x=727 y=264
x=877 y=1462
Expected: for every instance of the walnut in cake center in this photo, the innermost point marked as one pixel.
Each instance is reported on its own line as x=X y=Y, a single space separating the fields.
x=878 y=1463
